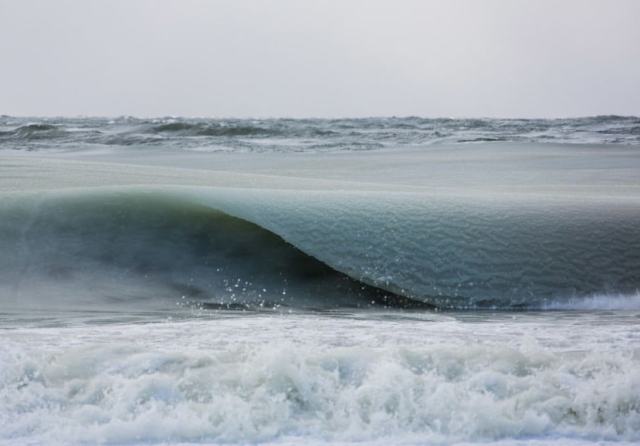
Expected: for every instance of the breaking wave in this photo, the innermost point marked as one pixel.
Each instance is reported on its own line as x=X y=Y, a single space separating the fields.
x=184 y=383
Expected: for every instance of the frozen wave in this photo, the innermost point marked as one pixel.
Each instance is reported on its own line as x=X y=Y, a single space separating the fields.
x=486 y=226
x=247 y=246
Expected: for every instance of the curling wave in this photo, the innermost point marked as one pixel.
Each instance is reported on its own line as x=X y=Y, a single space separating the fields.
x=235 y=247
x=137 y=248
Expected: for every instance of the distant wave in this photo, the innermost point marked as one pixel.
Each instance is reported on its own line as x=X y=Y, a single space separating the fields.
x=313 y=135
x=483 y=139
x=211 y=129
x=34 y=132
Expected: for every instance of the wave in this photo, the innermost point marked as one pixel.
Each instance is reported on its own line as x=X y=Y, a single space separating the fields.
x=138 y=249
x=230 y=247
x=483 y=139
x=37 y=131
x=211 y=129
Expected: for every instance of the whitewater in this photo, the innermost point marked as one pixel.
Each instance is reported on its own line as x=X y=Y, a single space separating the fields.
x=369 y=281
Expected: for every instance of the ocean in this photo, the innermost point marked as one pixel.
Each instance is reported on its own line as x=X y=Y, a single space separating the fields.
x=364 y=281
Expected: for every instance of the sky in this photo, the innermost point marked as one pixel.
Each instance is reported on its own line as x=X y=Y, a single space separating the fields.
x=321 y=58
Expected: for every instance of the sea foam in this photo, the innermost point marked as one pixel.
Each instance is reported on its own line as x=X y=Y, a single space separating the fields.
x=264 y=379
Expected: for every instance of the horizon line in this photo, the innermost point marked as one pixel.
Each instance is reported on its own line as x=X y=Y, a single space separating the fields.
x=315 y=118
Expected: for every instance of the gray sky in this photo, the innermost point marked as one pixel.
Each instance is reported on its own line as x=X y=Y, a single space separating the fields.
x=300 y=58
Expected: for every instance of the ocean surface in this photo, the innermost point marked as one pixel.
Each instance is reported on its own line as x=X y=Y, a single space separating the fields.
x=365 y=281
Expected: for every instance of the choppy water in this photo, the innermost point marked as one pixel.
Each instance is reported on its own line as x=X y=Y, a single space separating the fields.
x=369 y=281
x=304 y=135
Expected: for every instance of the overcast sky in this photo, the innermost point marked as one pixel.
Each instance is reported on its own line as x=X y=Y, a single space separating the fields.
x=301 y=58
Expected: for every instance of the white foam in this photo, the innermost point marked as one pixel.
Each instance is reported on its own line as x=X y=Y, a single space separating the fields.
x=314 y=379
x=598 y=302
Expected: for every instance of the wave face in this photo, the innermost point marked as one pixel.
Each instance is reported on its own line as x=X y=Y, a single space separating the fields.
x=460 y=253
x=306 y=135
x=227 y=247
